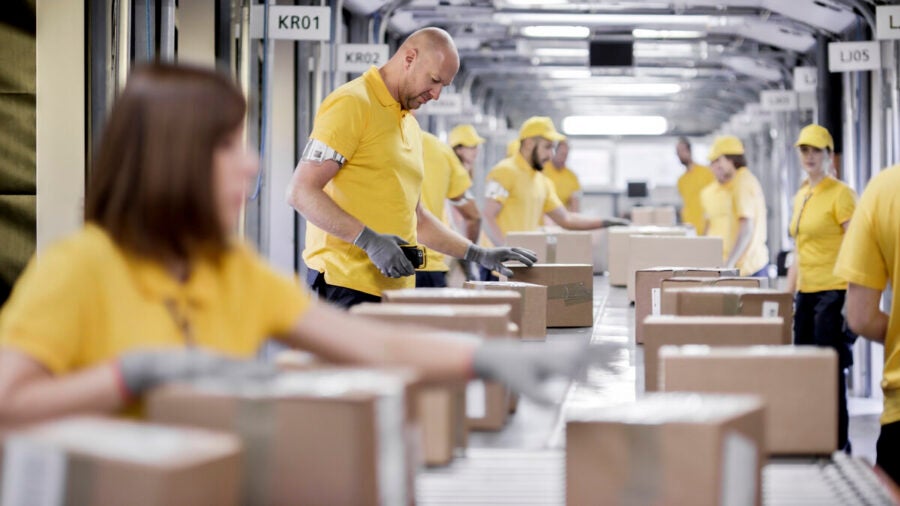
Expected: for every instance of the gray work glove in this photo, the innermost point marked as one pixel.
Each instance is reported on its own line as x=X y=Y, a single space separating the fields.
x=143 y=370
x=524 y=367
x=493 y=258
x=615 y=222
x=384 y=251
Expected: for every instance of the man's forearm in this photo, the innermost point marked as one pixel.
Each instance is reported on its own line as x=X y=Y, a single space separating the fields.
x=437 y=236
x=741 y=243
x=320 y=210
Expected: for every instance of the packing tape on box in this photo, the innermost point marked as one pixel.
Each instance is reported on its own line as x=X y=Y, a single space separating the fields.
x=570 y=293
x=645 y=473
x=731 y=304
x=551 y=249
x=255 y=424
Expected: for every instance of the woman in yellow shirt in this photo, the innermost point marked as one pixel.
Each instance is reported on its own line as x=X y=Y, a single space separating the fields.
x=154 y=289
x=822 y=210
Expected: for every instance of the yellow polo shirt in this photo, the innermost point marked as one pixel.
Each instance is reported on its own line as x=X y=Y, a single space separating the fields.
x=565 y=181
x=445 y=178
x=379 y=184
x=724 y=205
x=84 y=301
x=816 y=228
x=525 y=194
x=870 y=256
x=690 y=184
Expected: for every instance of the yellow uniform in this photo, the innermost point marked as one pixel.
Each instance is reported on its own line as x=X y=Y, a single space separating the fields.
x=690 y=184
x=379 y=184
x=724 y=205
x=84 y=302
x=565 y=181
x=445 y=178
x=525 y=194
x=870 y=256
x=816 y=227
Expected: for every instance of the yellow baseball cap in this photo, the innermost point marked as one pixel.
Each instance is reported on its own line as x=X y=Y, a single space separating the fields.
x=464 y=135
x=815 y=136
x=725 y=145
x=513 y=147
x=540 y=126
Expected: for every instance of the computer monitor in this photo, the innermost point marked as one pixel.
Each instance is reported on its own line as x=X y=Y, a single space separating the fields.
x=637 y=189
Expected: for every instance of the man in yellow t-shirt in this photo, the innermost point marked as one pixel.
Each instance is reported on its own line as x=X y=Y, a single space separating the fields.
x=735 y=209
x=446 y=179
x=519 y=194
x=696 y=177
x=568 y=189
x=359 y=180
x=869 y=260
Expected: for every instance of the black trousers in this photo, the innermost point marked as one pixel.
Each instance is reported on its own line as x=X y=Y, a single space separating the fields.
x=487 y=274
x=818 y=321
x=888 y=451
x=337 y=295
x=431 y=279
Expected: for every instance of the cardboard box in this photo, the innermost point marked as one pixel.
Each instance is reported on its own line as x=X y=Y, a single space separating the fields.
x=619 y=245
x=570 y=291
x=669 y=287
x=104 y=461
x=533 y=316
x=555 y=247
x=665 y=216
x=457 y=296
x=668 y=448
x=647 y=297
x=643 y=215
x=483 y=412
x=316 y=437
x=734 y=301
x=798 y=384
x=650 y=251
x=710 y=330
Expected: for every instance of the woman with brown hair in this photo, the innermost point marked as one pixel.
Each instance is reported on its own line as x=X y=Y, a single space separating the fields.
x=155 y=289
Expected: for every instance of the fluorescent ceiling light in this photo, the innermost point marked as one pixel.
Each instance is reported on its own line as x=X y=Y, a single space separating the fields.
x=614 y=125
x=561 y=52
x=556 y=32
x=643 y=33
x=537 y=18
x=638 y=89
x=666 y=50
x=570 y=74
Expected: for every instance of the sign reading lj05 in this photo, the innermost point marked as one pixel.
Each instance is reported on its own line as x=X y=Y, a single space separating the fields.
x=852 y=56
x=359 y=57
x=292 y=22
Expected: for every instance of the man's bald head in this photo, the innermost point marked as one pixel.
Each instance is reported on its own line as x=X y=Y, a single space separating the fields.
x=425 y=63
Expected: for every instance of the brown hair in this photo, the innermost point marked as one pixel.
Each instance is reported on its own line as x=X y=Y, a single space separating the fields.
x=151 y=186
x=738 y=160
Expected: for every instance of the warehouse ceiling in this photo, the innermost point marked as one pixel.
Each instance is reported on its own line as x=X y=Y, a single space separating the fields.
x=695 y=62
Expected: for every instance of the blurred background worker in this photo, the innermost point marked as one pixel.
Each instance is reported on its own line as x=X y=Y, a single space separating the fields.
x=445 y=179
x=735 y=209
x=822 y=209
x=519 y=194
x=464 y=140
x=359 y=180
x=696 y=177
x=869 y=260
x=568 y=189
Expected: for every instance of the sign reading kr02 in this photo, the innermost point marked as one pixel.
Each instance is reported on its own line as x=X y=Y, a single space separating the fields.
x=292 y=22
x=359 y=57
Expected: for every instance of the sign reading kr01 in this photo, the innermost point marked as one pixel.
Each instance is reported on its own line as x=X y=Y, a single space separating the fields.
x=292 y=22
x=359 y=57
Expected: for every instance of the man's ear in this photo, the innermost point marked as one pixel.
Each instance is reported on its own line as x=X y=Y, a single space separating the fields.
x=410 y=56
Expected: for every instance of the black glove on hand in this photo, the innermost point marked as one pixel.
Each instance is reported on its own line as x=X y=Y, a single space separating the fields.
x=143 y=370
x=493 y=258
x=384 y=251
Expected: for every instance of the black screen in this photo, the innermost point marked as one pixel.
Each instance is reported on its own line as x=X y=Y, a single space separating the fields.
x=605 y=53
x=637 y=189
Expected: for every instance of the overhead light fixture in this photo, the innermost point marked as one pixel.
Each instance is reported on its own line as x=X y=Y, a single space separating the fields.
x=614 y=125
x=561 y=52
x=666 y=50
x=570 y=74
x=531 y=3
x=638 y=89
x=557 y=18
x=556 y=32
x=644 y=33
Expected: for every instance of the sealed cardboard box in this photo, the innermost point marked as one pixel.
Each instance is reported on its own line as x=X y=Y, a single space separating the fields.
x=535 y=241
x=733 y=301
x=643 y=215
x=655 y=251
x=570 y=291
x=647 y=295
x=665 y=216
x=108 y=462
x=618 y=248
x=316 y=437
x=669 y=287
x=489 y=321
x=534 y=305
x=458 y=296
x=709 y=330
x=555 y=246
x=668 y=448
x=797 y=383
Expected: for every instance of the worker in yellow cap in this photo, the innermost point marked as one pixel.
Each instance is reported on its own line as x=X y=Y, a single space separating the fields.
x=568 y=188
x=822 y=209
x=446 y=180
x=735 y=209
x=696 y=177
x=464 y=140
x=519 y=194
